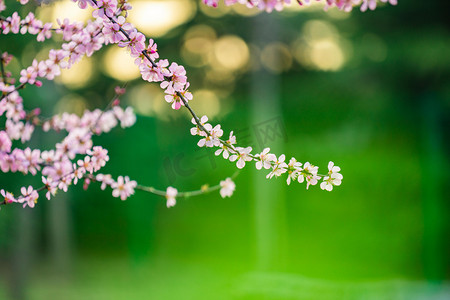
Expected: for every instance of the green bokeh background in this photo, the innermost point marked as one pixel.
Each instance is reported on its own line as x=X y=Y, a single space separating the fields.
x=383 y=234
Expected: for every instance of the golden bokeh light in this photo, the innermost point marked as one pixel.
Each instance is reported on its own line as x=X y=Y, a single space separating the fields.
x=245 y=11
x=148 y=100
x=202 y=30
x=231 y=52
x=313 y=6
x=207 y=102
x=321 y=47
x=156 y=18
x=70 y=103
x=198 y=44
x=315 y=30
x=220 y=77
x=61 y=10
x=78 y=75
x=118 y=64
x=338 y=14
x=195 y=52
x=326 y=55
x=276 y=57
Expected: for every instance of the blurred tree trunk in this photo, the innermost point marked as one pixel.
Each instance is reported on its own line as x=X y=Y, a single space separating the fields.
x=434 y=207
x=23 y=250
x=270 y=219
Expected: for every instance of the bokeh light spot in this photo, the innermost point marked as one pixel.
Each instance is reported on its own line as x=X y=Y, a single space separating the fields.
x=231 y=52
x=71 y=103
x=78 y=75
x=156 y=18
x=207 y=102
x=276 y=57
x=326 y=55
x=118 y=64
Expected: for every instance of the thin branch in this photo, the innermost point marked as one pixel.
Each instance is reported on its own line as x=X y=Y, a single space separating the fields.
x=187 y=194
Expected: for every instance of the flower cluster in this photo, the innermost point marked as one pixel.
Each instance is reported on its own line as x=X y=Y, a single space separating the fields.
x=211 y=137
x=269 y=5
x=29 y=24
x=76 y=158
x=116 y=30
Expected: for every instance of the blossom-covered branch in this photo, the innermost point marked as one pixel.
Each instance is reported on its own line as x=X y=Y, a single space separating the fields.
x=76 y=158
x=270 y=5
x=173 y=79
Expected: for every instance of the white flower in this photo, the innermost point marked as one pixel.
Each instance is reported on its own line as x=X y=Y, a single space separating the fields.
x=333 y=179
x=226 y=153
x=29 y=196
x=279 y=168
x=309 y=173
x=242 y=156
x=213 y=138
x=227 y=187
x=104 y=179
x=265 y=159
x=171 y=193
x=123 y=188
x=294 y=167
x=196 y=130
x=128 y=118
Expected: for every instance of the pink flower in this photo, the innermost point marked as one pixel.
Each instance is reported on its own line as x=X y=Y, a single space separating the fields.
x=44 y=32
x=106 y=180
x=13 y=129
x=50 y=186
x=99 y=157
x=175 y=98
x=27 y=132
x=212 y=3
x=2 y=6
x=83 y=3
x=86 y=164
x=123 y=188
x=105 y=7
x=8 y=197
x=14 y=24
x=33 y=160
x=29 y=74
x=152 y=49
x=58 y=170
x=136 y=44
x=126 y=117
x=27 y=24
x=69 y=29
x=112 y=30
x=154 y=74
x=29 y=197
x=5 y=142
x=177 y=81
